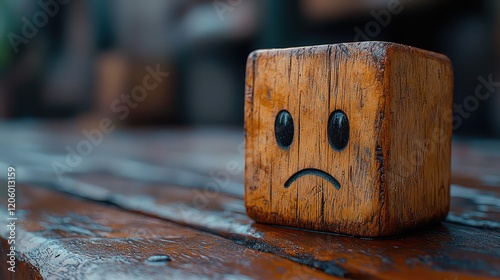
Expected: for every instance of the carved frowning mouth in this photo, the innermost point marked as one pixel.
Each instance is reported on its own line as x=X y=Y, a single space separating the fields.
x=315 y=172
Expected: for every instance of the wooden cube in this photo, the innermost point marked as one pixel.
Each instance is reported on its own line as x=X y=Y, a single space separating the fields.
x=348 y=138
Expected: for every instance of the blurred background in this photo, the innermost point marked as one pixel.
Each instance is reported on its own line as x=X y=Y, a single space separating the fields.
x=74 y=60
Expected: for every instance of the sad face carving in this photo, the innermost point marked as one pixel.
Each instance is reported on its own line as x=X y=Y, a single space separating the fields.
x=338 y=136
x=321 y=132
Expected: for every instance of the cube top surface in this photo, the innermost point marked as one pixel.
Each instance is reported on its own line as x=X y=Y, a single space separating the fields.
x=349 y=138
x=376 y=48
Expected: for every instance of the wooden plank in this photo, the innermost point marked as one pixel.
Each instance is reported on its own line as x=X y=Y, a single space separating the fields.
x=477 y=207
x=447 y=251
x=476 y=178
x=59 y=237
x=475 y=163
x=474 y=166
x=181 y=157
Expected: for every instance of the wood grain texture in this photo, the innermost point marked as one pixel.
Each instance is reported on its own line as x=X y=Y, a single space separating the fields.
x=60 y=237
x=130 y=178
x=449 y=251
x=394 y=172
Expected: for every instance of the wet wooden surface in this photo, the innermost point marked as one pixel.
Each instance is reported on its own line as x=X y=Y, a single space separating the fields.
x=175 y=197
x=69 y=238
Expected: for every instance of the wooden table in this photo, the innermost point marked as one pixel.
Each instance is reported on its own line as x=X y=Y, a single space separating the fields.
x=168 y=204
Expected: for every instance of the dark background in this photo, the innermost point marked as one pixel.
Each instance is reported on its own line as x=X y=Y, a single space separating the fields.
x=84 y=54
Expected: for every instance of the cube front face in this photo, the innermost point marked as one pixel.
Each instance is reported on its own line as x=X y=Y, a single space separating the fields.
x=314 y=121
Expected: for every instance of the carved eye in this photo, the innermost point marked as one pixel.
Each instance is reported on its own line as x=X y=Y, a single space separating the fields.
x=338 y=130
x=284 y=129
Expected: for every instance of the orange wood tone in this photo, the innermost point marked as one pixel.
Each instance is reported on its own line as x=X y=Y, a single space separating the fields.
x=461 y=248
x=60 y=237
x=394 y=173
x=209 y=234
